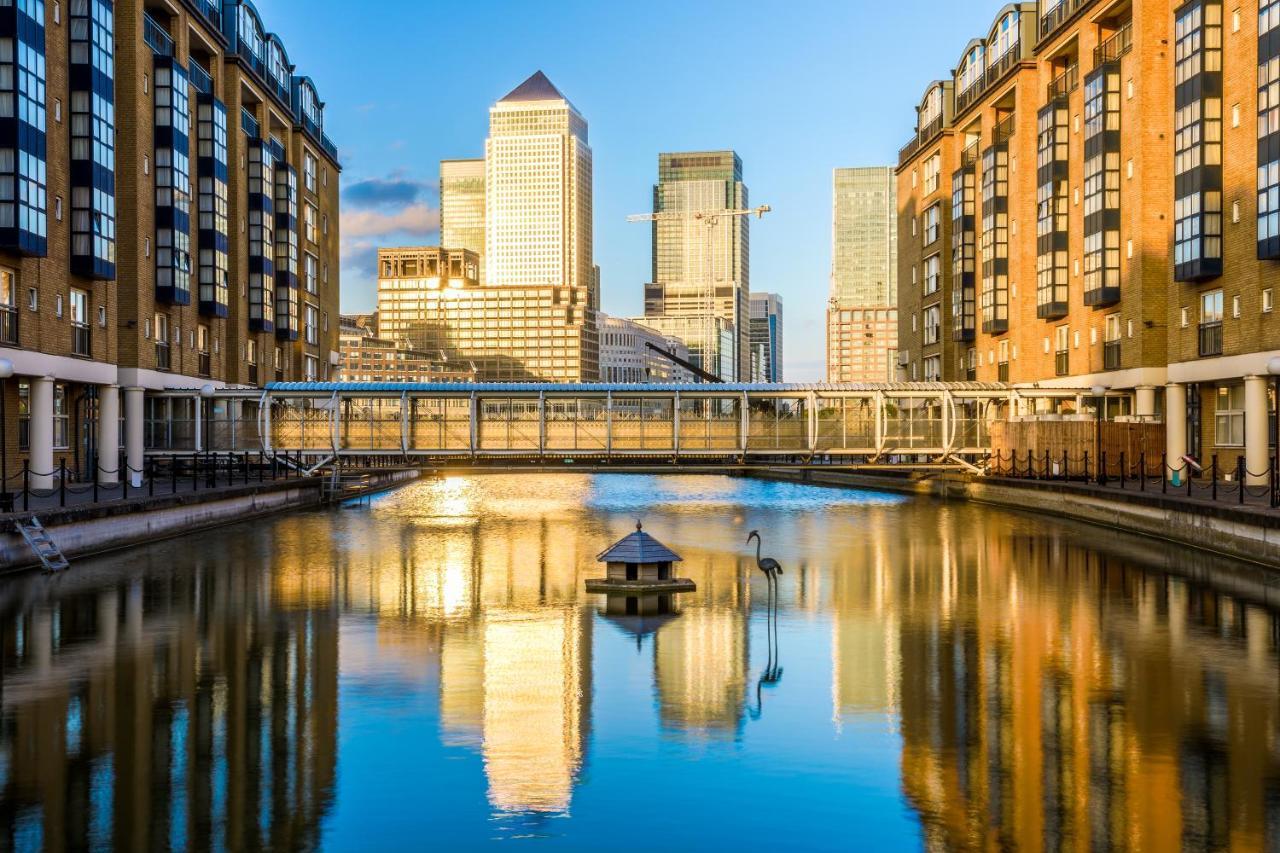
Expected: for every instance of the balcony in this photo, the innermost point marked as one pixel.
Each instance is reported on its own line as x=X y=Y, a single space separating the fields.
x=80 y=340
x=1111 y=355
x=249 y=124
x=162 y=355
x=156 y=36
x=925 y=135
x=909 y=150
x=205 y=364
x=8 y=325
x=1059 y=15
x=1100 y=297
x=211 y=10
x=969 y=156
x=1064 y=84
x=1211 y=338
x=201 y=80
x=1120 y=43
x=1061 y=362
x=1003 y=129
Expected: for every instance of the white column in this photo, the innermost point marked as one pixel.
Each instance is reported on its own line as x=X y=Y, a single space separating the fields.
x=108 y=434
x=41 y=433
x=1144 y=401
x=1175 y=425
x=1257 y=455
x=134 y=448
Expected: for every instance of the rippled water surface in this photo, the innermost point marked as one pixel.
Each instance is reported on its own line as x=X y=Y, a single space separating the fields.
x=428 y=672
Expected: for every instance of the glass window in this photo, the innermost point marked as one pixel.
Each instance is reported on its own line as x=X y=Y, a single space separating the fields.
x=1229 y=421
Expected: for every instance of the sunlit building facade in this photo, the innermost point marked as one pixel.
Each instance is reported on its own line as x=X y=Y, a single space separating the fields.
x=368 y=358
x=864 y=275
x=1090 y=198
x=715 y=350
x=701 y=266
x=627 y=353
x=766 y=337
x=462 y=208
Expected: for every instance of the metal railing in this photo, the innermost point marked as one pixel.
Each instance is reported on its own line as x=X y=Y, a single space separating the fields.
x=1116 y=46
x=1211 y=338
x=1064 y=84
x=8 y=325
x=156 y=36
x=1232 y=483
x=1059 y=15
x=1003 y=130
x=201 y=80
x=249 y=124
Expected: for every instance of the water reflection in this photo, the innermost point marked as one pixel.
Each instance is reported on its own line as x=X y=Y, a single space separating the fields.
x=1038 y=685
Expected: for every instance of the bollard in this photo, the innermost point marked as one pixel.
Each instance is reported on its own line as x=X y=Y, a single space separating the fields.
x=151 y=478
x=1122 y=471
x=62 y=482
x=1240 y=471
x=1213 y=472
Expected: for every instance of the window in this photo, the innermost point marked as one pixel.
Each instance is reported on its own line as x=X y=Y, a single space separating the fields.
x=933 y=368
x=173 y=183
x=932 y=224
x=1004 y=37
x=309 y=365
x=309 y=171
x=1267 y=301
x=23 y=168
x=963 y=249
x=1198 y=141
x=1111 y=342
x=310 y=215
x=1229 y=417
x=310 y=327
x=24 y=415
x=1061 y=342
x=160 y=330
x=932 y=174
x=211 y=131
x=309 y=273
x=1102 y=186
x=995 y=239
x=932 y=274
x=79 y=322
x=61 y=417
x=1051 y=210
x=8 y=306
x=1211 y=323
x=971 y=69
x=932 y=324
x=1268 y=132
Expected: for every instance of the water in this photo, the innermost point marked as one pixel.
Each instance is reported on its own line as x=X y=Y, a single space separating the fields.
x=428 y=672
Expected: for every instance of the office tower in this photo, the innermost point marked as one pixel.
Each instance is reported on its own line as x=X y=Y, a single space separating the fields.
x=628 y=354
x=701 y=264
x=766 y=336
x=538 y=226
x=861 y=342
x=462 y=207
x=175 y=222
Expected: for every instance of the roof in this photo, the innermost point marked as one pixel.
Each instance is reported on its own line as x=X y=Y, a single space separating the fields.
x=536 y=88
x=638 y=547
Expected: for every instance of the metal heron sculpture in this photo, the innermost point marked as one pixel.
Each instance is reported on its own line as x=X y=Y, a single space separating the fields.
x=773 y=668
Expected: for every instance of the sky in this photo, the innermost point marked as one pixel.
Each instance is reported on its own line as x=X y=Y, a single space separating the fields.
x=797 y=89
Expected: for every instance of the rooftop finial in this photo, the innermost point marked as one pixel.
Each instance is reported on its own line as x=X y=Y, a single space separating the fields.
x=637 y=525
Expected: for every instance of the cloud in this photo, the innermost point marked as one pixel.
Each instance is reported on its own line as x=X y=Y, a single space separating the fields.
x=395 y=190
x=413 y=219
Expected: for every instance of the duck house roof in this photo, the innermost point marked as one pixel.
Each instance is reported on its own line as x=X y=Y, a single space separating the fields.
x=638 y=547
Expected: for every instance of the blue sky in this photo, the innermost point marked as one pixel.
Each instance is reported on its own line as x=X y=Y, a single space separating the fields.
x=796 y=89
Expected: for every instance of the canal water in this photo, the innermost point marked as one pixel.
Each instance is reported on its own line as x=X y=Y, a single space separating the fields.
x=428 y=672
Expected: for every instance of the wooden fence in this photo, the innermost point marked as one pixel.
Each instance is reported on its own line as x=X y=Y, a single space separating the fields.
x=1015 y=439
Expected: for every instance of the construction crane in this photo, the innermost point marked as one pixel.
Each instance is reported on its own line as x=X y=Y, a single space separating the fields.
x=711 y=218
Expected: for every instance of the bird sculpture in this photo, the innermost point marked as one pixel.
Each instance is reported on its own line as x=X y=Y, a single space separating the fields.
x=773 y=668
x=771 y=567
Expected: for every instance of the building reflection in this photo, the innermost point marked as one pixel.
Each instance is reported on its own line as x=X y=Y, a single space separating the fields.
x=170 y=708
x=1054 y=696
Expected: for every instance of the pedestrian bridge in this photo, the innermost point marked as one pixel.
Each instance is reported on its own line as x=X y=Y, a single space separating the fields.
x=616 y=423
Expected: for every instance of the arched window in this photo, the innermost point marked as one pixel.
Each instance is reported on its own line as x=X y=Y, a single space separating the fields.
x=250 y=32
x=1004 y=37
x=972 y=67
x=277 y=66
x=311 y=105
x=931 y=109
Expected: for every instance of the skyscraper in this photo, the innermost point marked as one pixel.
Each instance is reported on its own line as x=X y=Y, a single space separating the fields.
x=862 y=336
x=766 y=336
x=537 y=190
x=462 y=207
x=701 y=266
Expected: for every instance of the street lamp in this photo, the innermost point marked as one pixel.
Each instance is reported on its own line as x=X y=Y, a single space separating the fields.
x=6 y=500
x=1100 y=392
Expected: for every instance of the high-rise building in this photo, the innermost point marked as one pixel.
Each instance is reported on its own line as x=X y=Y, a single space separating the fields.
x=1092 y=199
x=701 y=265
x=462 y=207
x=717 y=340
x=538 y=227
x=864 y=275
x=168 y=219
x=766 y=336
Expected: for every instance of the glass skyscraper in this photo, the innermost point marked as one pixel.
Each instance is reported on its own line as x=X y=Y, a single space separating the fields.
x=462 y=207
x=701 y=265
x=862 y=336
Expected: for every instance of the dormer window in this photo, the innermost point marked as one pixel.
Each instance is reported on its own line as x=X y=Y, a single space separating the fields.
x=1004 y=37
x=931 y=109
x=971 y=69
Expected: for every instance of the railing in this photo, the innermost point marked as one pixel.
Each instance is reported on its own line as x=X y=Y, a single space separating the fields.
x=1110 y=355
x=162 y=355
x=276 y=147
x=909 y=150
x=1064 y=84
x=1211 y=338
x=925 y=135
x=1003 y=130
x=329 y=147
x=8 y=325
x=211 y=9
x=1002 y=66
x=1116 y=46
x=1137 y=472
x=249 y=124
x=80 y=342
x=969 y=156
x=1062 y=362
x=1059 y=15
x=156 y=36
x=971 y=93
x=201 y=80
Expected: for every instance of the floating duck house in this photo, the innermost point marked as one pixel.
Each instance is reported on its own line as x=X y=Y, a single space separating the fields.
x=639 y=563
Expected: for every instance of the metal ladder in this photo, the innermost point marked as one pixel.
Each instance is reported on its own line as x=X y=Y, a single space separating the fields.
x=340 y=486
x=42 y=545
